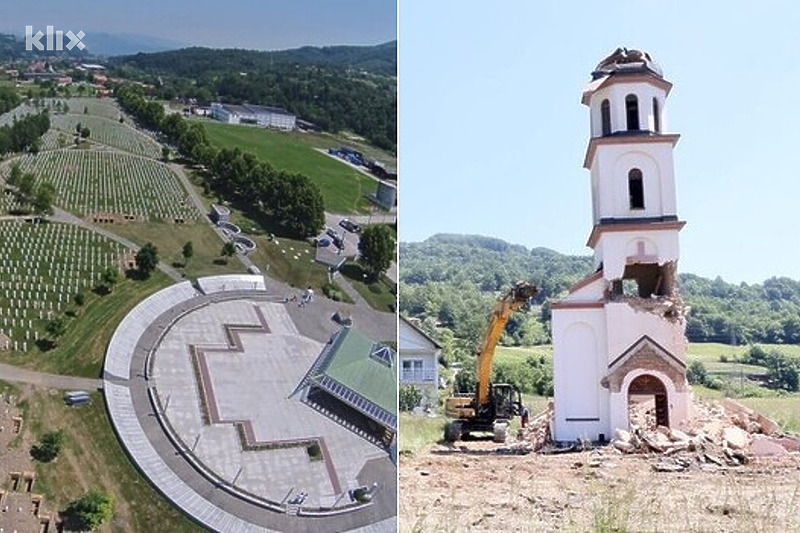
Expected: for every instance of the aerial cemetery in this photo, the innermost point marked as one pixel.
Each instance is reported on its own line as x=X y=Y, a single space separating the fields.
x=119 y=185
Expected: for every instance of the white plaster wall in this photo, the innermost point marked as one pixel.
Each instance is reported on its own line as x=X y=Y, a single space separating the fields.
x=578 y=366
x=610 y=168
x=613 y=246
x=616 y=93
x=626 y=325
x=592 y=292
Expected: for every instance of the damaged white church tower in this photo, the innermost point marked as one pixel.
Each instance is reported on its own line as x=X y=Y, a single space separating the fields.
x=621 y=331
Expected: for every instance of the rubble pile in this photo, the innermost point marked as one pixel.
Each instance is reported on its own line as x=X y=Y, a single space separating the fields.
x=537 y=432
x=719 y=435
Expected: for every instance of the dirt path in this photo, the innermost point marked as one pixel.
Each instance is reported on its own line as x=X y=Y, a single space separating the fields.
x=43 y=379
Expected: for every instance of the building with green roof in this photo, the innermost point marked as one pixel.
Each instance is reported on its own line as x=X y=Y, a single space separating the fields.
x=354 y=380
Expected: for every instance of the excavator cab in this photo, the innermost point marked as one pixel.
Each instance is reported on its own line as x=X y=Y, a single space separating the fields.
x=505 y=402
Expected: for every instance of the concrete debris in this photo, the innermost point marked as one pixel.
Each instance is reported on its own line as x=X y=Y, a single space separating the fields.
x=537 y=433
x=719 y=436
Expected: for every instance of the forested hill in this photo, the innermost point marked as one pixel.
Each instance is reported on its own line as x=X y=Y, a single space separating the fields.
x=338 y=88
x=188 y=62
x=452 y=280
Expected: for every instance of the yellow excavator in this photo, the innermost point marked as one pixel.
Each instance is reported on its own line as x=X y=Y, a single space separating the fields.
x=493 y=405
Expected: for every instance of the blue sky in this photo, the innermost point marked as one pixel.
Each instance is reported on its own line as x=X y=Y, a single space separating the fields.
x=256 y=24
x=492 y=132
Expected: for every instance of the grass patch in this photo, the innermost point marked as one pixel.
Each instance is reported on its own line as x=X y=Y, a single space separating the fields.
x=170 y=238
x=343 y=188
x=378 y=294
x=81 y=350
x=417 y=432
x=711 y=351
x=93 y=458
x=782 y=409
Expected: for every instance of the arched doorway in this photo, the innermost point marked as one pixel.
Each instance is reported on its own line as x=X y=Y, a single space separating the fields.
x=645 y=386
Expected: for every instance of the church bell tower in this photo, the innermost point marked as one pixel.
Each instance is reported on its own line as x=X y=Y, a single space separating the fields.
x=619 y=336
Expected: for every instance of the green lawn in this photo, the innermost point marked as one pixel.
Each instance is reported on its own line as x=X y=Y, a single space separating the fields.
x=785 y=410
x=170 y=238
x=378 y=294
x=520 y=354
x=93 y=458
x=417 y=432
x=711 y=351
x=343 y=188
x=81 y=350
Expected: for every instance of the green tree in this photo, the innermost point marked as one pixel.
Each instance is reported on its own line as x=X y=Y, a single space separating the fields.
x=376 y=250
x=696 y=373
x=108 y=279
x=85 y=132
x=188 y=252
x=79 y=298
x=89 y=511
x=49 y=447
x=15 y=175
x=44 y=198
x=165 y=151
x=56 y=327
x=86 y=110
x=27 y=186
x=147 y=259
x=409 y=397
x=228 y=249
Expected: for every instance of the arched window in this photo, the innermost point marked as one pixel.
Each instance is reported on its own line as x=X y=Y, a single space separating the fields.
x=605 y=115
x=656 y=116
x=632 y=112
x=636 y=188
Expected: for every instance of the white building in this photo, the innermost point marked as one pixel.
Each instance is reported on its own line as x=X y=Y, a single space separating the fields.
x=619 y=334
x=419 y=361
x=269 y=117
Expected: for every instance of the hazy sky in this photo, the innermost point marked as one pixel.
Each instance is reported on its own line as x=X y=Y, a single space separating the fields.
x=256 y=24
x=493 y=134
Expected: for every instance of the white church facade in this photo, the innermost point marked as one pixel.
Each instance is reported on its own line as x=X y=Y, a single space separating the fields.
x=620 y=333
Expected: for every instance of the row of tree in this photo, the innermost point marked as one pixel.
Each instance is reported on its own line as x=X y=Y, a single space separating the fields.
x=292 y=200
x=24 y=134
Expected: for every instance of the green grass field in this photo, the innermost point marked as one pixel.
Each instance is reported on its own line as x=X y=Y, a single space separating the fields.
x=378 y=294
x=81 y=350
x=93 y=458
x=343 y=188
x=170 y=238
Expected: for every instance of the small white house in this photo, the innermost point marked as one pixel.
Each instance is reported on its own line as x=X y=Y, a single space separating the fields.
x=419 y=361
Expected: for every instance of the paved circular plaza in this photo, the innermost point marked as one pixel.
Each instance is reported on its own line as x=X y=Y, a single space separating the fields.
x=206 y=386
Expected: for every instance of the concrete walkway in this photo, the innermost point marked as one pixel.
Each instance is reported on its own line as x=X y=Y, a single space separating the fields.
x=42 y=379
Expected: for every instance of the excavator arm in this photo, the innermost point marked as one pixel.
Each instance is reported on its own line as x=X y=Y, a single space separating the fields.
x=518 y=296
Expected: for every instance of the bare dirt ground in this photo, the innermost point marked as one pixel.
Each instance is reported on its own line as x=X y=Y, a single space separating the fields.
x=472 y=487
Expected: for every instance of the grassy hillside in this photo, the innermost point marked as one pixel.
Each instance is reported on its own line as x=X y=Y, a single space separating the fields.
x=343 y=187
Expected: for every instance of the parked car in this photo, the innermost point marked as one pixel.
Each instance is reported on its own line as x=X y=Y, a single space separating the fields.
x=332 y=232
x=350 y=226
x=322 y=242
